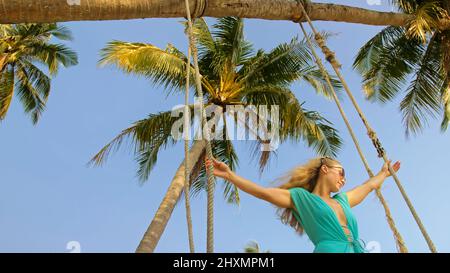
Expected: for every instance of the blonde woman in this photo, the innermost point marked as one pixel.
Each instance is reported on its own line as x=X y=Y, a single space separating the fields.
x=306 y=204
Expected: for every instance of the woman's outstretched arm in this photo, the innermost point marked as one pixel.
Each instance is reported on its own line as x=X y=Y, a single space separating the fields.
x=358 y=194
x=279 y=197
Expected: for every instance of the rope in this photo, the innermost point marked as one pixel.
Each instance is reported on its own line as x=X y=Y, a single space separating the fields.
x=200 y=8
x=205 y=130
x=186 y=152
x=371 y=133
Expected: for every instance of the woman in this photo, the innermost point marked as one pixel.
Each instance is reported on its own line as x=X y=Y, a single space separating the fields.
x=305 y=202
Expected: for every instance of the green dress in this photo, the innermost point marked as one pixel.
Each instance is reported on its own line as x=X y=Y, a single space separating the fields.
x=322 y=225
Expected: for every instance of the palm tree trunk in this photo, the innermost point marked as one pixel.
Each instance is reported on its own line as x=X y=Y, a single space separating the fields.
x=2 y=62
x=159 y=222
x=42 y=11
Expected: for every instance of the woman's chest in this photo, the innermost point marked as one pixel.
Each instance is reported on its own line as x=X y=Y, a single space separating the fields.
x=338 y=210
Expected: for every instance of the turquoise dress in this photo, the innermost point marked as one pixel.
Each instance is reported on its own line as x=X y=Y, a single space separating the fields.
x=322 y=225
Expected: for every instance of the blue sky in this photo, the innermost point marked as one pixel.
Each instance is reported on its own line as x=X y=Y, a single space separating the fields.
x=49 y=196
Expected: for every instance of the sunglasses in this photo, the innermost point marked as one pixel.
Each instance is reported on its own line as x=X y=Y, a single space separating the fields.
x=322 y=162
x=341 y=172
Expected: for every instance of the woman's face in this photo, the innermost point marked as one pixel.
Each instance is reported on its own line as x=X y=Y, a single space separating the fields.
x=335 y=176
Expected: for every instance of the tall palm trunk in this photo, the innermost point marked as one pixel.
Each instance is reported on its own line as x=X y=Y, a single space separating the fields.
x=159 y=222
x=40 y=11
x=2 y=62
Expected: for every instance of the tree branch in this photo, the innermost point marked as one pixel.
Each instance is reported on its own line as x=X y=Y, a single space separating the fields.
x=44 y=11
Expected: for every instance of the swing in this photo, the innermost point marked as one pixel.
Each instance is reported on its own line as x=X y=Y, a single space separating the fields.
x=205 y=133
x=331 y=58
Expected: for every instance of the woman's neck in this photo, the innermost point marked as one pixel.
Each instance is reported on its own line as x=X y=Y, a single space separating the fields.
x=321 y=189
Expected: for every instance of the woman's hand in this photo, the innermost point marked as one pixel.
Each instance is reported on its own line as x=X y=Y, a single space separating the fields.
x=385 y=169
x=220 y=169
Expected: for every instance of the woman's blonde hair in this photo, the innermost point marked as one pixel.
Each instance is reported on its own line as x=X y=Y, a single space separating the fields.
x=304 y=176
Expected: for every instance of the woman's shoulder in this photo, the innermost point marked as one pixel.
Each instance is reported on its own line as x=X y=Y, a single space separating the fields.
x=302 y=198
x=300 y=192
x=341 y=196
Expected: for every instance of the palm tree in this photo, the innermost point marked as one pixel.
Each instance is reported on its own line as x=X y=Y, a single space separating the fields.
x=253 y=247
x=59 y=11
x=23 y=48
x=232 y=74
x=419 y=50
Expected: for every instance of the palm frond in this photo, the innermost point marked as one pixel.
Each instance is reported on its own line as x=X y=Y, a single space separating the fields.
x=407 y=6
x=113 y=146
x=229 y=32
x=147 y=156
x=320 y=135
x=314 y=77
x=147 y=137
x=268 y=94
x=60 y=32
x=445 y=51
x=29 y=95
x=253 y=247
x=299 y=123
x=52 y=55
x=281 y=66
x=203 y=35
x=386 y=61
x=446 y=101
x=427 y=17
x=211 y=64
x=25 y=47
x=31 y=31
x=42 y=31
x=163 y=67
x=296 y=123
x=369 y=53
x=6 y=90
x=264 y=146
x=37 y=78
x=423 y=98
x=444 y=43
x=5 y=30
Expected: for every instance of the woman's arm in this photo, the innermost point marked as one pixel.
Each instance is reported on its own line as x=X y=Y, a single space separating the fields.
x=358 y=194
x=279 y=197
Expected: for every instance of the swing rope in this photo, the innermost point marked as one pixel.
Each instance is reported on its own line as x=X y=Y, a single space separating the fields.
x=200 y=6
x=186 y=152
x=331 y=58
x=401 y=247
